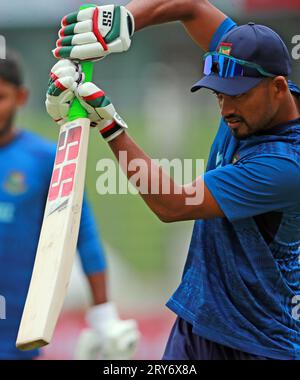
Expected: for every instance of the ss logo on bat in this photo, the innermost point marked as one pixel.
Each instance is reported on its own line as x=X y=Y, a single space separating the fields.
x=65 y=164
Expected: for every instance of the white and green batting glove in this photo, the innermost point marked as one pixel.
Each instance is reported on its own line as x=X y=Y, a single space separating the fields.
x=64 y=79
x=100 y=111
x=108 y=337
x=95 y=32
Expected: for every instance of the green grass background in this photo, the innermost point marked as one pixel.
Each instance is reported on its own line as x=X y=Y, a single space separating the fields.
x=125 y=221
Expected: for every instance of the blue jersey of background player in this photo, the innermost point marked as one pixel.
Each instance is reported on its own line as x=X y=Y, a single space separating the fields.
x=26 y=162
x=238 y=298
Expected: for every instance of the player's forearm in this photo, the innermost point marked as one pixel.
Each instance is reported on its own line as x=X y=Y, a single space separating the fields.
x=200 y=18
x=97 y=283
x=167 y=205
x=154 y=12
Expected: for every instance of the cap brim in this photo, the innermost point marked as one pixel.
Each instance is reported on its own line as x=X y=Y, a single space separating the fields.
x=228 y=86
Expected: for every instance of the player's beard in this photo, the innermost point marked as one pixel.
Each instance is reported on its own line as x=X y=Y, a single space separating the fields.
x=7 y=127
x=246 y=129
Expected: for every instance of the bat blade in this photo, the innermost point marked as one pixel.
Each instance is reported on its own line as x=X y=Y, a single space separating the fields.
x=58 y=238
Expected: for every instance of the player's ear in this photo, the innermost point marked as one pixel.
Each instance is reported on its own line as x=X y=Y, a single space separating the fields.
x=22 y=96
x=280 y=85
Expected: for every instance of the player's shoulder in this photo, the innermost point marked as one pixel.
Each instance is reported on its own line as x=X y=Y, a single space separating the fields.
x=35 y=144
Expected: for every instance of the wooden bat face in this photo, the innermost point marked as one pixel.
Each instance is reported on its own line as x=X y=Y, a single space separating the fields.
x=58 y=238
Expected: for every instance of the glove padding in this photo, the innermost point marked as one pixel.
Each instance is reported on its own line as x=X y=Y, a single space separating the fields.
x=93 y=33
x=100 y=111
x=108 y=337
x=66 y=83
x=64 y=78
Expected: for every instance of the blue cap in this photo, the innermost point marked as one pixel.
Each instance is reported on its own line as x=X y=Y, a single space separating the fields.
x=256 y=44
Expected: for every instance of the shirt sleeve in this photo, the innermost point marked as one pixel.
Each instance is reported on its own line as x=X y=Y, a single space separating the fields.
x=89 y=245
x=224 y=28
x=255 y=186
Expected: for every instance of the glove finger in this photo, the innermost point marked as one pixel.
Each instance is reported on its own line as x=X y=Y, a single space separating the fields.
x=96 y=98
x=64 y=63
x=77 y=39
x=84 y=52
x=63 y=68
x=91 y=94
x=78 y=27
x=61 y=85
x=82 y=15
x=66 y=72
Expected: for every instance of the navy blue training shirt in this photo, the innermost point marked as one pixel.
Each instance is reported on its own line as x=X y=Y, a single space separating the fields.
x=241 y=281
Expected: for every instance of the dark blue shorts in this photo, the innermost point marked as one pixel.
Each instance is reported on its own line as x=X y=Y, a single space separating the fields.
x=183 y=344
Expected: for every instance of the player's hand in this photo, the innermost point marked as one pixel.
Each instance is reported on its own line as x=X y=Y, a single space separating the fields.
x=65 y=83
x=100 y=111
x=64 y=78
x=93 y=33
x=108 y=337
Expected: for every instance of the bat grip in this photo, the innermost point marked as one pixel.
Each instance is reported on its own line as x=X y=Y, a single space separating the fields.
x=76 y=109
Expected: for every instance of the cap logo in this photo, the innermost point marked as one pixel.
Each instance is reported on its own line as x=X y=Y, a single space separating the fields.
x=225 y=48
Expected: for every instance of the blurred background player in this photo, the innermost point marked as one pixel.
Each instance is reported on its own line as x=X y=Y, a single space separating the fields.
x=26 y=162
x=235 y=299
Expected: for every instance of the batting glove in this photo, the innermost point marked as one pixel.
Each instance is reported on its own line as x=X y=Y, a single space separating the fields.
x=108 y=337
x=64 y=78
x=65 y=83
x=93 y=33
x=100 y=111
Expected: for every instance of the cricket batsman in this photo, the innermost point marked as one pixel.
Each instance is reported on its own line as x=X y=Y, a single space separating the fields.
x=26 y=162
x=238 y=297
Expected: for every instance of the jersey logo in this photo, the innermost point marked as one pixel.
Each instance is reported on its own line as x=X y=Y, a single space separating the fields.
x=235 y=159
x=15 y=183
x=225 y=48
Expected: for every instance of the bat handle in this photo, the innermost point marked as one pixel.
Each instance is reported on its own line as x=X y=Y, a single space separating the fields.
x=76 y=109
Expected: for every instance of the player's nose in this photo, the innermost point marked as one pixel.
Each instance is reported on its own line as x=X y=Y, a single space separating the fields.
x=227 y=106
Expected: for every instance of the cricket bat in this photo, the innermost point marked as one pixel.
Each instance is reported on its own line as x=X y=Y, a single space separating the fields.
x=59 y=233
